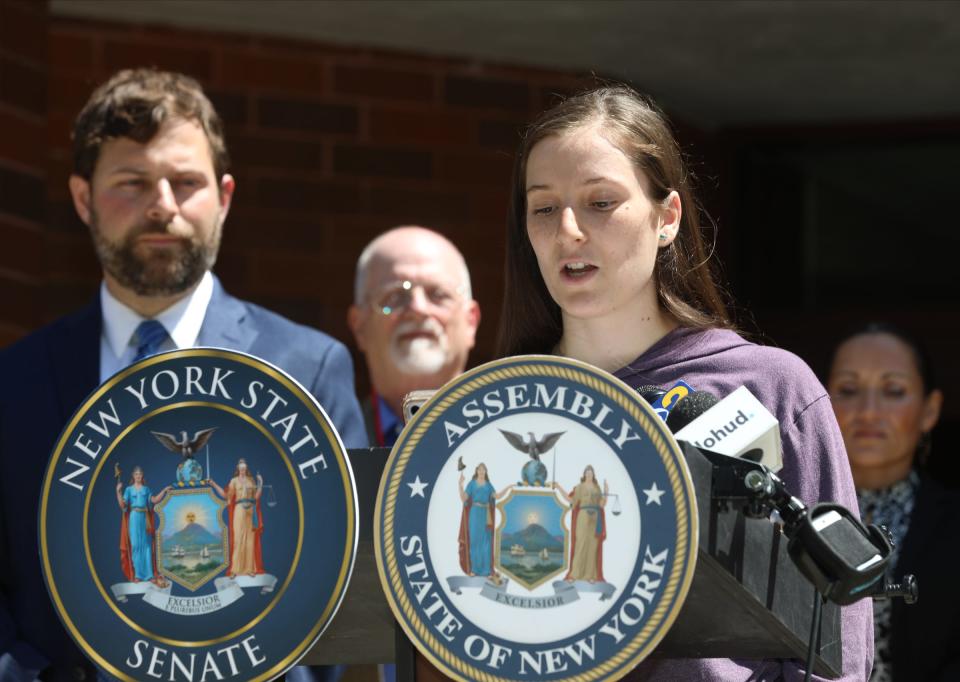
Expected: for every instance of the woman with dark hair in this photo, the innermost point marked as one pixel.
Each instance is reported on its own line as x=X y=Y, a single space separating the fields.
x=886 y=401
x=607 y=263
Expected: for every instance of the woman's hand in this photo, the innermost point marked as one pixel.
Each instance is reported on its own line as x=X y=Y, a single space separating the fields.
x=216 y=487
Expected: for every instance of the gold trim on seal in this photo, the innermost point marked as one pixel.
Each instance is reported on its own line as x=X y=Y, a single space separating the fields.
x=332 y=438
x=86 y=516
x=678 y=582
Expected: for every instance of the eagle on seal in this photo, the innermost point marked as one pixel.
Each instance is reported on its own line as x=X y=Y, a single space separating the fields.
x=534 y=472
x=189 y=469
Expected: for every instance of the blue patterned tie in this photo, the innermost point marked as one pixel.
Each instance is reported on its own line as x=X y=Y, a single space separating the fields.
x=150 y=336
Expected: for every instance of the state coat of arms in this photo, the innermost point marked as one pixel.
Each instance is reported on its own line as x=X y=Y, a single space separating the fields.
x=198 y=520
x=537 y=519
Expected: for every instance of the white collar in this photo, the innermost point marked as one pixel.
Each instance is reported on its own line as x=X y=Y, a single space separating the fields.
x=182 y=320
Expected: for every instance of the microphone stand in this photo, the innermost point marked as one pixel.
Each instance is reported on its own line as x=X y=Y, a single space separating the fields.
x=844 y=560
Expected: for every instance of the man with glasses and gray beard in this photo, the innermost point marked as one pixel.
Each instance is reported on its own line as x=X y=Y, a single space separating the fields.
x=414 y=320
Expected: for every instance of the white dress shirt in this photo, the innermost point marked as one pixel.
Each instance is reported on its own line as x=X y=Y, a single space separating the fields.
x=182 y=321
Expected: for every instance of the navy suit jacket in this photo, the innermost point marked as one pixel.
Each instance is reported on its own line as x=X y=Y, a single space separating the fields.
x=46 y=377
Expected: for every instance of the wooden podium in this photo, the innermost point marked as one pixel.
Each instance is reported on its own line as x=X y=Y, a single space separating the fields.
x=747 y=599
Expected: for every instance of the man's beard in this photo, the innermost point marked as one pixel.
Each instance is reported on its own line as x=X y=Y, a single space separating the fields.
x=421 y=355
x=163 y=272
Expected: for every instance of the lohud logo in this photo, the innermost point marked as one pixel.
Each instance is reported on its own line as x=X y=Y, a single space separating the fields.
x=737 y=424
x=198 y=520
x=535 y=521
x=721 y=431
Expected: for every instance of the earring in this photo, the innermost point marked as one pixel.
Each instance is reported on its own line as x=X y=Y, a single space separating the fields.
x=663 y=237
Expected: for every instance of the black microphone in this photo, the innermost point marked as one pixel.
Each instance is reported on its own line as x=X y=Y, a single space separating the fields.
x=689 y=408
x=844 y=560
x=651 y=393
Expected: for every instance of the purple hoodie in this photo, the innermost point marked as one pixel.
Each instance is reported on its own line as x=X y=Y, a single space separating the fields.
x=815 y=469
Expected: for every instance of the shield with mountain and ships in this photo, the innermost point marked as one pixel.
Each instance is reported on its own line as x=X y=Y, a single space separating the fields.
x=192 y=538
x=532 y=541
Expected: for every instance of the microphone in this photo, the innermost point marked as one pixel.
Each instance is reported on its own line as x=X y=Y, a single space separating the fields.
x=843 y=559
x=738 y=426
x=689 y=408
x=654 y=397
x=651 y=393
x=663 y=400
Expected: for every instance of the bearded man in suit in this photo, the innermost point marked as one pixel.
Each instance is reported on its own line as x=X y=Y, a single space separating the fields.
x=150 y=180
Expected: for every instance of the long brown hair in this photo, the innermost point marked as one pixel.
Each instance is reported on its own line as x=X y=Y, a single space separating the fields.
x=530 y=321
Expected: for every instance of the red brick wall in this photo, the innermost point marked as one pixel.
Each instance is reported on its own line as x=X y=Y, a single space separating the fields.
x=23 y=56
x=330 y=145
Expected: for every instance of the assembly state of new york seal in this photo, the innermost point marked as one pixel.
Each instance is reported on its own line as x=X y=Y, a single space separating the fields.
x=536 y=521
x=198 y=520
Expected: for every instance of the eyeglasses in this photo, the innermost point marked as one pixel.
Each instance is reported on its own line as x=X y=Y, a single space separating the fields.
x=396 y=297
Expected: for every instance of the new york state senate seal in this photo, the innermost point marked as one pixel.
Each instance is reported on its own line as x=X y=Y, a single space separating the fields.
x=198 y=520
x=536 y=521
